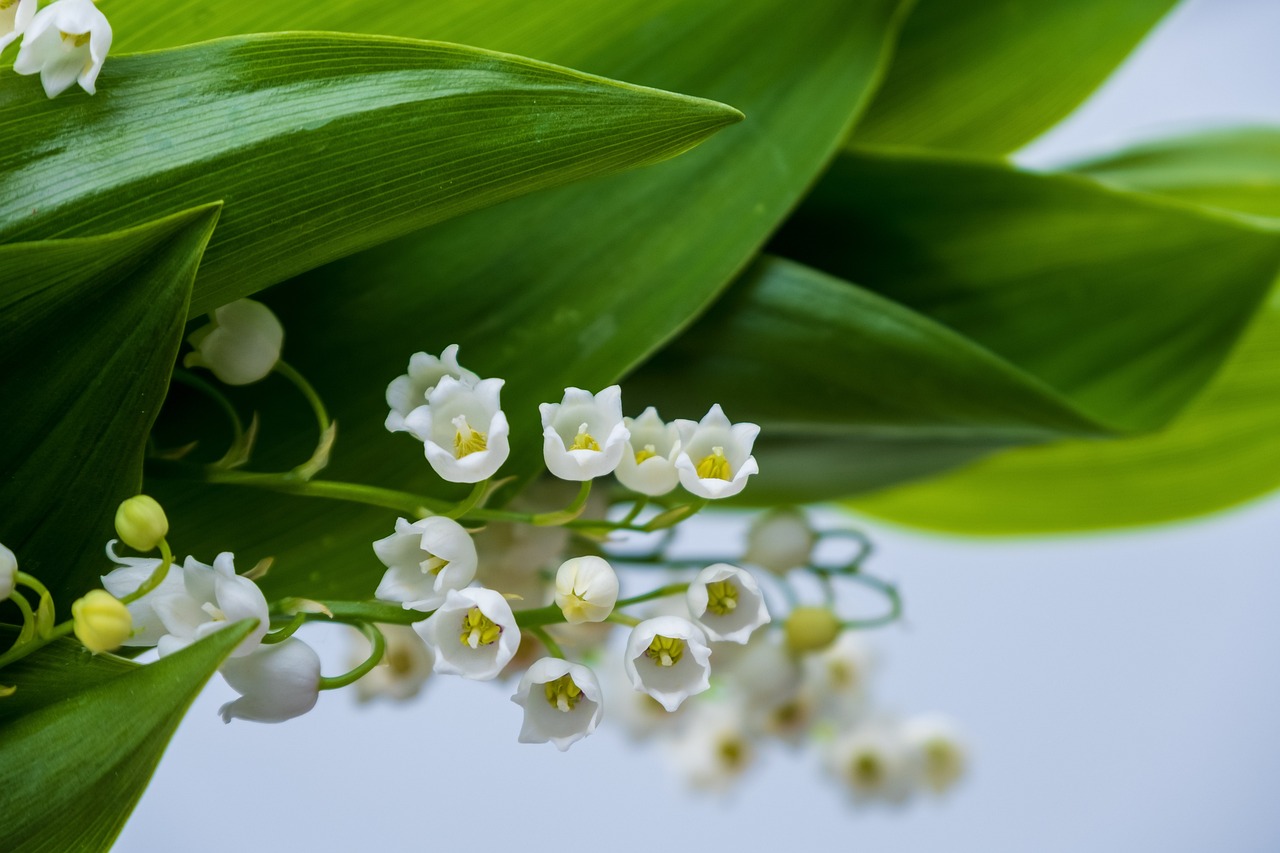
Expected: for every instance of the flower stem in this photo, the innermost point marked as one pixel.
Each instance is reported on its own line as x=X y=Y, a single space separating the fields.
x=470 y=502
x=353 y=611
x=622 y=619
x=300 y=382
x=157 y=577
x=417 y=505
x=660 y=592
x=552 y=646
x=287 y=631
x=379 y=644
x=17 y=653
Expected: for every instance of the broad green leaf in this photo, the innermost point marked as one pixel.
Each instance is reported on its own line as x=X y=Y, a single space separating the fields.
x=988 y=76
x=571 y=287
x=74 y=763
x=89 y=330
x=319 y=145
x=1229 y=169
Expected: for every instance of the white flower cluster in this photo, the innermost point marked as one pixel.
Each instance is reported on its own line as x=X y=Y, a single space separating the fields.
x=459 y=419
x=65 y=43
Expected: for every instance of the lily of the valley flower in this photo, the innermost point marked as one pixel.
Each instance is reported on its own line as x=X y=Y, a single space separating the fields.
x=715 y=748
x=583 y=436
x=406 y=665
x=15 y=17
x=8 y=573
x=715 y=455
x=65 y=42
x=766 y=674
x=148 y=628
x=586 y=589
x=840 y=676
x=876 y=763
x=648 y=465
x=668 y=658
x=212 y=598
x=100 y=621
x=424 y=561
x=276 y=683
x=727 y=603
x=141 y=522
x=561 y=700
x=780 y=540
x=241 y=345
x=463 y=429
x=409 y=390
x=473 y=634
x=942 y=754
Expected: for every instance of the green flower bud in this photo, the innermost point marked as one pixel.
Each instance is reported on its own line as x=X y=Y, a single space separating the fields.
x=141 y=523
x=102 y=623
x=811 y=629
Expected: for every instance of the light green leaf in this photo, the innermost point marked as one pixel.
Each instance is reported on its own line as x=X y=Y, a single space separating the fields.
x=319 y=145
x=89 y=329
x=988 y=76
x=81 y=736
x=571 y=287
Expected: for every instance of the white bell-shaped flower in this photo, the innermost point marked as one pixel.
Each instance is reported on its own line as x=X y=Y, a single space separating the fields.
x=463 y=429
x=780 y=540
x=943 y=756
x=586 y=589
x=473 y=634
x=668 y=658
x=8 y=573
x=562 y=702
x=727 y=603
x=875 y=762
x=241 y=345
x=583 y=436
x=766 y=673
x=715 y=748
x=133 y=572
x=841 y=675
x=648 y=465
x=405 y=667
x=65 y=42
x=715 y=455
x=409 y=391
x=276 y=682
x=15 y=17
x=213 y=597
x=424 y=561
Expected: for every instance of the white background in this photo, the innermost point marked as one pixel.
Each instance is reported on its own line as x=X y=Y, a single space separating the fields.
x=1120 y=691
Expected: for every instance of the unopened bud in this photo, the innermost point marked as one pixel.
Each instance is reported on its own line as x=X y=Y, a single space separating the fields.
x=141 y=523
x=811 y=629
x=102 y=623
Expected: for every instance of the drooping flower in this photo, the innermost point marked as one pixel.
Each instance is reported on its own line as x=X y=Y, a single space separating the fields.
x=668 y=658
x=648 y=465
x=583 y=436
x=241 y=345
x=406 y=665
x=586 y=589
x=715 y=455
x=101 y=621
x=780 y=540
x=425 y=560
x=727 y=603
x=409 y=390
x=942 y=754
x=15 y=17
x=212 y=598
x=8 y=573
x=65 y=42
x=875 y=762
x=141 y=523
x=766 y=674
x=473 y=634
x=463 y=429
x=276 y=682
x=561 y=700
x=715 y=748
x=133 y=572
x=840 y=675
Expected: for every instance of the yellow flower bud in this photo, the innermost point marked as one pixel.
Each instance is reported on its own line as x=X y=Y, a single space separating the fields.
x=141 y=523
x=102 y=622
x=811 y=629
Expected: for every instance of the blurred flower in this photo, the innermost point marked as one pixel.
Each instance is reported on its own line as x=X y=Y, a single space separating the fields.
x=715 y=455
x=561 y=700
x=876 y=763
x=405 y=667
x=648 y=465
x=133 y=572
x=942 y=754
x=811 y=629
x=726 y=602
x=65 y=42
x=586 y=589
x=583 y=435
x=668 y=658
x=715 y=748
x=473 y=634
x=766 y=674
x=780 y=540
x=212 y=598
x=241 y=345
x=409 y=391
x=840 y=675
x=276 y=682
x=463 y=429
x=100 y=621
x=141 y=523
x=15 y=16
x=425 y=560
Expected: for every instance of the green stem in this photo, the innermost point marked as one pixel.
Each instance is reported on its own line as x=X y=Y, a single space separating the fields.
x=28 y=618
x=287 y=631
x=157 y=577
x=379 y=644
x=20 y=652
x=317 y=405
x=660 y=592
x=552 y=646
x=636 y=509
x=406 y=502
x=29 y=581
x=354 y=611
x=622 y=619
x=561 y=517
x=211 y=391
x=470 y=501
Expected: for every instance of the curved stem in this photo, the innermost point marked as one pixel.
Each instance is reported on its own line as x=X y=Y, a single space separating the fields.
x=300 y=382
x=32 y=583
x=352 y=611
x=552 y=646
x=379 y=644
x=157 y=577
x=622 y=619
x=19 y=652
x=660 y=592
x=28 y=619
x=287 y=631
x=211 y=391
x=470 y=501
x=636 y=509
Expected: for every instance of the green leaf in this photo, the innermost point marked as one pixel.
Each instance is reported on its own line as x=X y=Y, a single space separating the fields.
x=319 y=145
x=571 y=287
x=988 y=76
x=75 y=759
x=89 y=330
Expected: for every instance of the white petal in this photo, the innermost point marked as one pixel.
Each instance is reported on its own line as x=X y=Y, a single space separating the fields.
x=277 y=682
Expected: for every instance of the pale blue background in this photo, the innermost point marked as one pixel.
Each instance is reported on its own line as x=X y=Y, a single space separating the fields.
x=1120 y=690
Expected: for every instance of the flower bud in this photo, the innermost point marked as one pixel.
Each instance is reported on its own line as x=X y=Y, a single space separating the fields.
x=102 y=622
x=8 y=572
x=811 y=629
x=780 y=540
x=141 y=523
x=241 y=345
x=586 y=589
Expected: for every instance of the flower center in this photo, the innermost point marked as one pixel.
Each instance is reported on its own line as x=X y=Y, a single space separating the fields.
x=399 y=661
x=433 y=565
x=649 y=452
x=867 y=770
x=722 y=597
x=214 y=613
x=5 y=4
x=563 y=694
x=466 y=440
x=583 y=440
x=732 y=752
x=665 y=651
x=76 y=39
x=714 y=466
x=478 y=629
x=575 y=605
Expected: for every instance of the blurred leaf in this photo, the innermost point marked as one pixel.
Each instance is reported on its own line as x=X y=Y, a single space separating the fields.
x=75 y=759
x=570 y=287
x=988 y=76
x=319 y=145
x=89 y=329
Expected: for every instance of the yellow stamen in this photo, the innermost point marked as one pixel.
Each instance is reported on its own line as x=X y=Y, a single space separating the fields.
x=478 y=630
x=648 y=453
x=467 y=440
x=434 y=565
x=562 y=693
x=5 y=4
x=867 y=770
x=399 y=660
x=665 y=651
x=584 y=441
x=722 y=597
x=213 y=611
x=733 y=752
x=714 y=466
x=77 y=39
